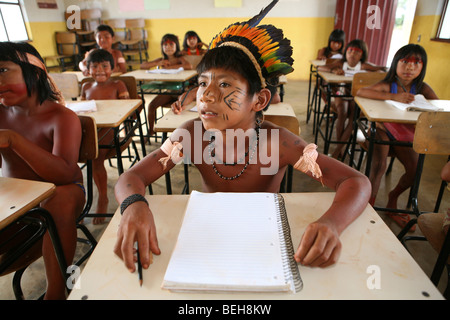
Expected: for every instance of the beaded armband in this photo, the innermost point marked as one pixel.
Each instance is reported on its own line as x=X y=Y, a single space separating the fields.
x=130 y=200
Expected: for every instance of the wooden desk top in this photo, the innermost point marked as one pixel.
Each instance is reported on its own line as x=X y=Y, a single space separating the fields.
x=112 y=113
x=170 y=121
x=381 y=111
x=142 y=75
x=330 y=77
x=17 y=196
x=367 y=243
x=317 y=63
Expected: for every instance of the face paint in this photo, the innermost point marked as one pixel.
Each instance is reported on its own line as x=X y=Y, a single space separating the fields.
x=413 y=60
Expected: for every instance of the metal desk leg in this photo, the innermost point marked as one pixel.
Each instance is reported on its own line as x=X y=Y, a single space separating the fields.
x=370 y=151
x=118 y=153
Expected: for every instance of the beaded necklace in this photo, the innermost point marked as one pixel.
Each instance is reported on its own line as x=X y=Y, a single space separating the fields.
x=211 y=155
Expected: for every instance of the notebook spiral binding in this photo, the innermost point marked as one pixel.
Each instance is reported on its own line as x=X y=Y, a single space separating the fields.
x=291 y=272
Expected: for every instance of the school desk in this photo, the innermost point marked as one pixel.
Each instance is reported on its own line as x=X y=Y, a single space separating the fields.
x=373 y=263
x=381 y=111
x=170 y=121
x=181 y=77
x=330 y=84
x=19 y=202
x=112 y=114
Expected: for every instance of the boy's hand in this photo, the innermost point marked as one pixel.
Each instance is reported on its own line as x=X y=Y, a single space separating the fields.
x=404 y=97
x=137 y=224
x=320 y=246
x=177 y=107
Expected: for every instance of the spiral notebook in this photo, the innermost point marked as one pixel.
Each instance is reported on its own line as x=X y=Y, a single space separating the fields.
x=234 y=242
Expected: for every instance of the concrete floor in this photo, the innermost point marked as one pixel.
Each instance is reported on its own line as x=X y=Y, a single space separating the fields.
x=33 y=282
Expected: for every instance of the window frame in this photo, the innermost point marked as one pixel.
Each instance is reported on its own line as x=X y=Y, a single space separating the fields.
x=441 y=22
x=19 y=4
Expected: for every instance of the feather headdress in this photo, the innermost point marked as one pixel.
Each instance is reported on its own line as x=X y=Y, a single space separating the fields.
x=265 y=45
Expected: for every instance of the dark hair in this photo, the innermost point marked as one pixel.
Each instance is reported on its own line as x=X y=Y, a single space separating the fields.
x=410 y=50
x=173 y=38
x=337 y=35
x=187 y=36
x=35 y=78
x=234 y=59
x=357 y=43
x=100 y=55
x=104 y=27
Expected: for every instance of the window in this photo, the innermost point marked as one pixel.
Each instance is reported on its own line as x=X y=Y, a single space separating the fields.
x=12 y=24
x=443 y=32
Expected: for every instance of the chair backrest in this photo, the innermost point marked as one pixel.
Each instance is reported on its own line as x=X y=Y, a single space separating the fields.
x=67 y=83
x=66 y=43
x=365 y=79
x=119 y=27
x=130 y=82
x=89 y=140
x=90 y=19
x=288 y=122
x=431 y=135
x=193 y=60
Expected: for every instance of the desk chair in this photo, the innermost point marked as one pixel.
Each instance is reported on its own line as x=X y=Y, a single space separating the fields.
x=431 y=137
x=120 y=31
x=292 y=124
x=88 y=153
x=136 y=43
x=68 y=84
x=362 y=80
x=67 y=47
x=130 y=82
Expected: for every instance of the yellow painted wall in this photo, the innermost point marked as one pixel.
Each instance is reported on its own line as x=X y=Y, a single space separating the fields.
x=438 y=75
x=43 y=36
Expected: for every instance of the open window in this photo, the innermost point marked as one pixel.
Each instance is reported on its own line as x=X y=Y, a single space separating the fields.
x=443 y=32
x=12 y=24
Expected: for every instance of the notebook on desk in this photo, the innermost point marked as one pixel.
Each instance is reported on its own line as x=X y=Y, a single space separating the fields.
x=233 y=242
x=419 y=104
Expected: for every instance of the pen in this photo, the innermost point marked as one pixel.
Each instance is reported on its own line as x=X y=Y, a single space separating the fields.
x=403 y=87
x=141 y=280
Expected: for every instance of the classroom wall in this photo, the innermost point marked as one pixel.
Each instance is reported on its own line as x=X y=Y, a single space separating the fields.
x=306 y=23
x=423 y=31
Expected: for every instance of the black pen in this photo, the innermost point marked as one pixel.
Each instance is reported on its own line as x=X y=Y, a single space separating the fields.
x=403 y=87
x=141 y=280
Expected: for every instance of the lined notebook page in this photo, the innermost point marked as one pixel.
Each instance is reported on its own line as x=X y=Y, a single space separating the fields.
x=228 y=241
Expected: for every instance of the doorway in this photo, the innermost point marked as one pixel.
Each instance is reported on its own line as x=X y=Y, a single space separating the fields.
x=404 y=18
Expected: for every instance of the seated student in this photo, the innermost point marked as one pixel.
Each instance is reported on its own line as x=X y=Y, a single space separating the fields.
x=232 y=94
x=100 y=64
x=104 y=35
x=193 y=45
x=335 y=46
x=403 y=81
x=40 y=140
x=171 y=59
x=354 y=60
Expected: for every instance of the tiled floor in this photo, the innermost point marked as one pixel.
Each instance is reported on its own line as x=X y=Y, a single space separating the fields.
x=296 y=94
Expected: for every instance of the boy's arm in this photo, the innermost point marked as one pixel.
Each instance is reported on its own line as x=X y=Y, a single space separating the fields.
x=122 y=91
x=137 y=223
x=320 y=245
x=121 y=62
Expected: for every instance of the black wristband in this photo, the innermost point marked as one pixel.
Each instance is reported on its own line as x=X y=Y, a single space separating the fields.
x=131 y=199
